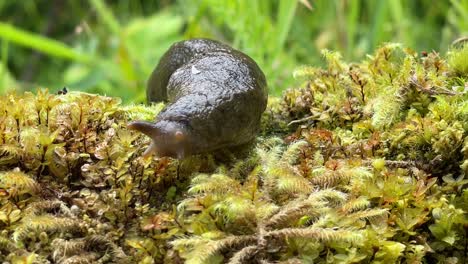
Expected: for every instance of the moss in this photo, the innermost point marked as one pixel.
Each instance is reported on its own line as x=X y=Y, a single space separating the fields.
x=458 y=60
x=363 y=162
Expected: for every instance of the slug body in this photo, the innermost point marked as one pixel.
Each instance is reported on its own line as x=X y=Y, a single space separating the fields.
x=215 y=97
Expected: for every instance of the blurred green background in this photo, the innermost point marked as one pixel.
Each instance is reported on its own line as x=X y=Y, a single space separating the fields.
x=111 y=47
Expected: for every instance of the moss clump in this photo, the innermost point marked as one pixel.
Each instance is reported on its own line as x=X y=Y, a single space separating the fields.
x=458 y=60
x=365 y=162
x=72 y=173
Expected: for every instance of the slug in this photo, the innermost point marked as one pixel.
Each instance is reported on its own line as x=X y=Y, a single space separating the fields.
x=215 y=97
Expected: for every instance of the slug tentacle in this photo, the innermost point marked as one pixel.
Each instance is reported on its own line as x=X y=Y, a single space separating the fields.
x=152 y=149
x=147 y=128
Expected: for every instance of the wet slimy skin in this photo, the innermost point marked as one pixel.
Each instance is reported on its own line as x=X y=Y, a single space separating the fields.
x=215 y=97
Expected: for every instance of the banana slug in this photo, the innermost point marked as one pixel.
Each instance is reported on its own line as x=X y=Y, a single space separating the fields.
x=215 y=96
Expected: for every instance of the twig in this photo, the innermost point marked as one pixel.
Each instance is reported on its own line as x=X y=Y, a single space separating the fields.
x=301 y=120
x=408 y=164
x=431 y=91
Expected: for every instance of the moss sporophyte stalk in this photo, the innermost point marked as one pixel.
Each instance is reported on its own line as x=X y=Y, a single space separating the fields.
x=362 y=162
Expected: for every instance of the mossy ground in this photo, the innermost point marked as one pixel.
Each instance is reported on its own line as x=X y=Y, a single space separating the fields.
x=365 y=162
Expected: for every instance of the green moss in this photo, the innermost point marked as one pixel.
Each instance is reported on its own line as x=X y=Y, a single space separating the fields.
x=458 y=60
x=364 y=162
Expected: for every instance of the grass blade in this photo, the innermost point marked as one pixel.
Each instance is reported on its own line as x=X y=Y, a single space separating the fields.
x=352 y=21
x=378 y=23
x=286 y=12
x=40 y=43
x=106 y=15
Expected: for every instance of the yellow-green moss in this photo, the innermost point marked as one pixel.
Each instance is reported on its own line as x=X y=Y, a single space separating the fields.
x=458 y=60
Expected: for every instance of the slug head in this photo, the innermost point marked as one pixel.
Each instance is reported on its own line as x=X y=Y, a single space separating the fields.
x=169 y=138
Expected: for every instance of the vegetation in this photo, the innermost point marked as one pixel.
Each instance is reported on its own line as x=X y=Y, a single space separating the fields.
x=364 y=162
x=359 y=162
x=110 y=47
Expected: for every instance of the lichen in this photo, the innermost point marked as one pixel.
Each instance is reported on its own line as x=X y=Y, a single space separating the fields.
x=362 y=162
